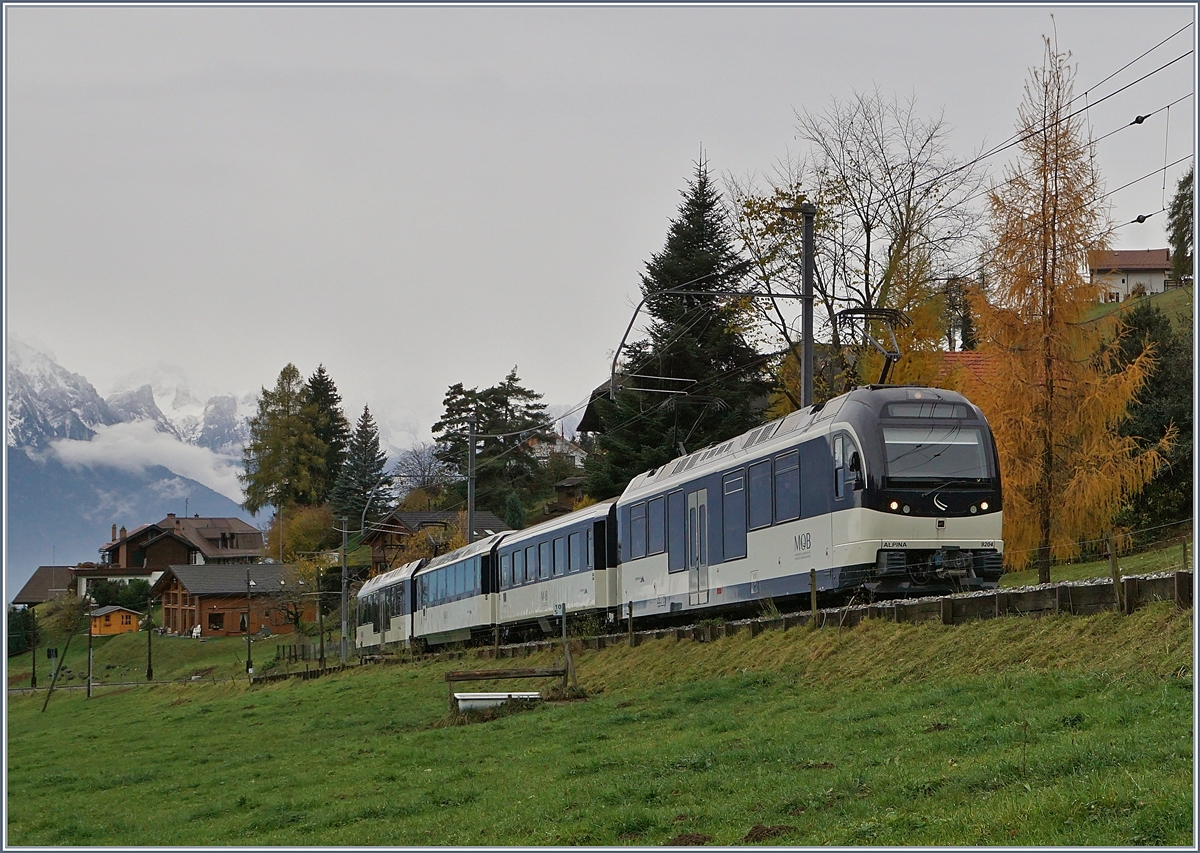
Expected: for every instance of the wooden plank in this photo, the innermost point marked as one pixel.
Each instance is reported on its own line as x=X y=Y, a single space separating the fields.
x=973 y=609
x=1183 y=589
x=947 y=611
x=1129 y=594
x=493 y=674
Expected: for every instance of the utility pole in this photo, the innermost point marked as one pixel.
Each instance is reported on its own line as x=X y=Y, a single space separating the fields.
x=471 y=479
x=89 y=683
x=33 y=638
x=345 y=586
x=249 y=662
x=809 y=211
x=149 y=635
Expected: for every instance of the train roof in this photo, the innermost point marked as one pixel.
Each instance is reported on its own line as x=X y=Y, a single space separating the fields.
x=596 y=510
x=481 y=546
x=778 y=434
x=390 y=577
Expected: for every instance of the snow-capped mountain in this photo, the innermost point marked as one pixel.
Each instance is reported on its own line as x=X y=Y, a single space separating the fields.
x=78 y=463
x=139 y=405
x=46 y=401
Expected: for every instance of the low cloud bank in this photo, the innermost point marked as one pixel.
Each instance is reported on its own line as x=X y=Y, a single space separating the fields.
x=136 y=446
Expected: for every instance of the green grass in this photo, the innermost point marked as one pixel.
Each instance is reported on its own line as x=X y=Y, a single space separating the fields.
x=122 y=658
x=1167 y=558
x=1178 y=303
x=1059 y=731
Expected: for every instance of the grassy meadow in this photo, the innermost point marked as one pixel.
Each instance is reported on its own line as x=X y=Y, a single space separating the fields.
x=1059 y=731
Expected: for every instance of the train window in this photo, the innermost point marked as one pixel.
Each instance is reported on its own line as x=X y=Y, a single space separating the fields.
x=656 y=524
x=505 y=571
x=927 y=409
x=759 y=478
x=590 y=549
x=733 y=515
x=532 y=563
x=574 y=552
x=637 y=531
x=676 y=532
x=787 y=486
x=518 y=567
x=544 y=559
x=839 y=466
x=560 y=556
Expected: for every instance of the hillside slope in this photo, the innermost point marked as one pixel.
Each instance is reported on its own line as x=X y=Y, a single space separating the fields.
x=1059 y=731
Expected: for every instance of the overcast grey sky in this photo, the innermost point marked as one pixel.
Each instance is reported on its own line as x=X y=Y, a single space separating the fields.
x=419 y=196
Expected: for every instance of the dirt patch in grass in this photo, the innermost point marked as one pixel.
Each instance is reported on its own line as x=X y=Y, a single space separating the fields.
x=758 y=832
x=689 y=839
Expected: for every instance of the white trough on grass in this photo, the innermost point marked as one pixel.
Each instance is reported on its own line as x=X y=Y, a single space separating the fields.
x=477 y=701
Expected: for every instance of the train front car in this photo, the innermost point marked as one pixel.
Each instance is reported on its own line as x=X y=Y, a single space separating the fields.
x=891 y=489
x=921 y=469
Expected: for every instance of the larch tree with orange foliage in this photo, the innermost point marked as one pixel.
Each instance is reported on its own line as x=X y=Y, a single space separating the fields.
x=1052 y=391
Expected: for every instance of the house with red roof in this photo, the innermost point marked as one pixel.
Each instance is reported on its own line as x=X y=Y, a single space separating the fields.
x=1130 y=272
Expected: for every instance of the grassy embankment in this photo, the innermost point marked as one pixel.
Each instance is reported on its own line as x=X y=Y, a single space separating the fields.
x=123 y=658
x=1059 y=731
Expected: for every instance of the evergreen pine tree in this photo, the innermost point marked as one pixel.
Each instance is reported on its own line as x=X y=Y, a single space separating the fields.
x=514 y=513
x=284 y=460
x=1179 y=227
x=508 y=414
x=331 y=427
x=695 y=341
x=1164 y=406
x=362 y=484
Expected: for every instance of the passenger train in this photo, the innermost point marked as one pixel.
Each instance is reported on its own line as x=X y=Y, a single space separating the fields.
x=885 y=490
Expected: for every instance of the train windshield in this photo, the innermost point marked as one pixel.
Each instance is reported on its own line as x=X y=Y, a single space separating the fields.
x=933 y=453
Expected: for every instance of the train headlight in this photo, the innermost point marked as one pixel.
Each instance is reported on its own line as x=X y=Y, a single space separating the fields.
x=983 y=506
x=973 y=510
x=894 y=505
x=906 y=507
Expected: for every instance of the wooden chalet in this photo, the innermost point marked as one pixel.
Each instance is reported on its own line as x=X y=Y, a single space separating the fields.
x=215 y=598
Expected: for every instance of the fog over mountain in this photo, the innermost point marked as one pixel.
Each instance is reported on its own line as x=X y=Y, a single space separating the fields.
x=78 y=463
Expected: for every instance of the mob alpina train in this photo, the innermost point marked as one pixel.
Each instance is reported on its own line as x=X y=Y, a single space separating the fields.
x=887 y=490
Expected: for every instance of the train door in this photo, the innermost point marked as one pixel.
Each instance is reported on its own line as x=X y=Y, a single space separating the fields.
x=847 y=474
x=697 y=527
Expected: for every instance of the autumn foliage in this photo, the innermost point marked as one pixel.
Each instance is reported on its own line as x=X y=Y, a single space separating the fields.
x=1053 y=393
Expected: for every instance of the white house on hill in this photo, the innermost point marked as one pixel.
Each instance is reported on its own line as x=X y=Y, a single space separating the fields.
x=1130 y=272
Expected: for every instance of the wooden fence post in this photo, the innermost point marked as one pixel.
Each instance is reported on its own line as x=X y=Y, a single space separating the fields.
x=1115 y=571
x=631 y=624
x=812 y=589
x=1184 y=543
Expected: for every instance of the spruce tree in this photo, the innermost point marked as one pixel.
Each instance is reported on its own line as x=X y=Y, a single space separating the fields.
x=362 y=483
x=508 y=415
x=1179 y=227
x=1164 y=407
x=331 y=427
x=284 y=461
x=714 y=384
